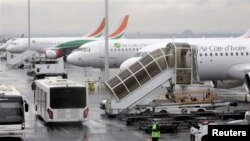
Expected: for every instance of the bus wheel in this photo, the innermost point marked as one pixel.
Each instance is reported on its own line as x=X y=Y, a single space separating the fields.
x=163 y=111
x=64 y=76
x=201 y=110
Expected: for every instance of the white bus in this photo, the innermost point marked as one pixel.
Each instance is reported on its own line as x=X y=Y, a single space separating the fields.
x=12 y=107
x=60 y=100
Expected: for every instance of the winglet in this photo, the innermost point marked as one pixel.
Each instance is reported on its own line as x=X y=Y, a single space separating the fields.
x=246 y=34
x=99 y=30
x=120 y=31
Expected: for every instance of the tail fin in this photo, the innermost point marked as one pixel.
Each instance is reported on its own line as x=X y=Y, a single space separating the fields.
x=98 y=31
x=246 y=34
x=120 y=31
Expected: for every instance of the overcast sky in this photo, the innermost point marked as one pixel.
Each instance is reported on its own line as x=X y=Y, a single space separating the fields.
x=146 y=16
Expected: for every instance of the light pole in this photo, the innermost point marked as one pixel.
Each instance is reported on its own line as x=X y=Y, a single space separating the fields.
x=106 y=65
x=29 y=23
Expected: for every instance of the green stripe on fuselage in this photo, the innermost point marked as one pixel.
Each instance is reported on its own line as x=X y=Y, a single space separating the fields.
x=75 y=43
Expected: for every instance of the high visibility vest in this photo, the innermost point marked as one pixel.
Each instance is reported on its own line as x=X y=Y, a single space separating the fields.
x=155 y=133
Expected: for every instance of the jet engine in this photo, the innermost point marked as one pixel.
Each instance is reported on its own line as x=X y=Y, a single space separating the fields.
x=53 y=53
x=225 y=84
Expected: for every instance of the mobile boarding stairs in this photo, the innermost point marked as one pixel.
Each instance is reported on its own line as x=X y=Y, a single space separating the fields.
x=173 y=64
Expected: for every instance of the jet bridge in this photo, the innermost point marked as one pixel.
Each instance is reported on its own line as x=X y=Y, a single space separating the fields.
x=168 y=65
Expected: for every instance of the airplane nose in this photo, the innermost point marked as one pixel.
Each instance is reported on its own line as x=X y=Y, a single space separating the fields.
x=2 y=48
x=73 y=59
x=9 y=48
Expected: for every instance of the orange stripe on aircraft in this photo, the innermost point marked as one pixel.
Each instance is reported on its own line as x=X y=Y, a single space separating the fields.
x=121 y=28
x=98 y=30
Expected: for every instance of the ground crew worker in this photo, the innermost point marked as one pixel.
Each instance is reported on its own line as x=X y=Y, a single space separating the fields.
x=155 y=133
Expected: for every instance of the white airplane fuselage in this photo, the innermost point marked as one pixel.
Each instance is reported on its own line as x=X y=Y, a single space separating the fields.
x=41 y=44
x=223 y=60
x=92 y=54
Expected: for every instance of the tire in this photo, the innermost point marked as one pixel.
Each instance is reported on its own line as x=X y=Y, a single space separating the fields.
x=64 y=76
x=163 y=112
x=201 y=110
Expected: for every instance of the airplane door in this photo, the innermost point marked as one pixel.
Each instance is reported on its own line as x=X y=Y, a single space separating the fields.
x=183 y=63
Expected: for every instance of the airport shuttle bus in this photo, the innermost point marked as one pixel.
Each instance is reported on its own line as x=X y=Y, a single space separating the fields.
x=12 y=107
x=60 y=100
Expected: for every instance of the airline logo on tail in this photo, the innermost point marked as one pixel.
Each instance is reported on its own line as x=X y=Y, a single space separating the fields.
x=120 y=31
x=99 y=31
x=246 y=35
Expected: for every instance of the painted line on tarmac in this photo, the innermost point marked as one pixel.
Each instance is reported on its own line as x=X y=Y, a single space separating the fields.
x=124 y=128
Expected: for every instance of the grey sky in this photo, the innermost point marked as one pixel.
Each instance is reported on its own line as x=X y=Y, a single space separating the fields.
x=146 y=16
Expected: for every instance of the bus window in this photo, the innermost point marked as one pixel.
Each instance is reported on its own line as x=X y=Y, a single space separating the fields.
x=63 y=98
x=11 y=113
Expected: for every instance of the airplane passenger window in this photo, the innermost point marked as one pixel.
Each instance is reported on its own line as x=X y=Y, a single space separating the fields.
x=122 y=49
x=226 y=54
x=237 y=54
x=129 y=49
x=205 y=54
x=111 y=49
x=211 y=54
x=247 y=53
x=221 y=54
x=232 y=54
x=216 y=54
x=242 y=53
x=200 y=54
x=125 y=49
x=118 y=49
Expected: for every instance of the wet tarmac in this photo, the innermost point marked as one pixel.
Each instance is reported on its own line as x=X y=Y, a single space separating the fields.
x=98 y=127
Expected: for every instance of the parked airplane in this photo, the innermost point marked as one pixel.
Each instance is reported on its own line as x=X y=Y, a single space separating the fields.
x=92 y=54
x=57 y=47
x=21 y=44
